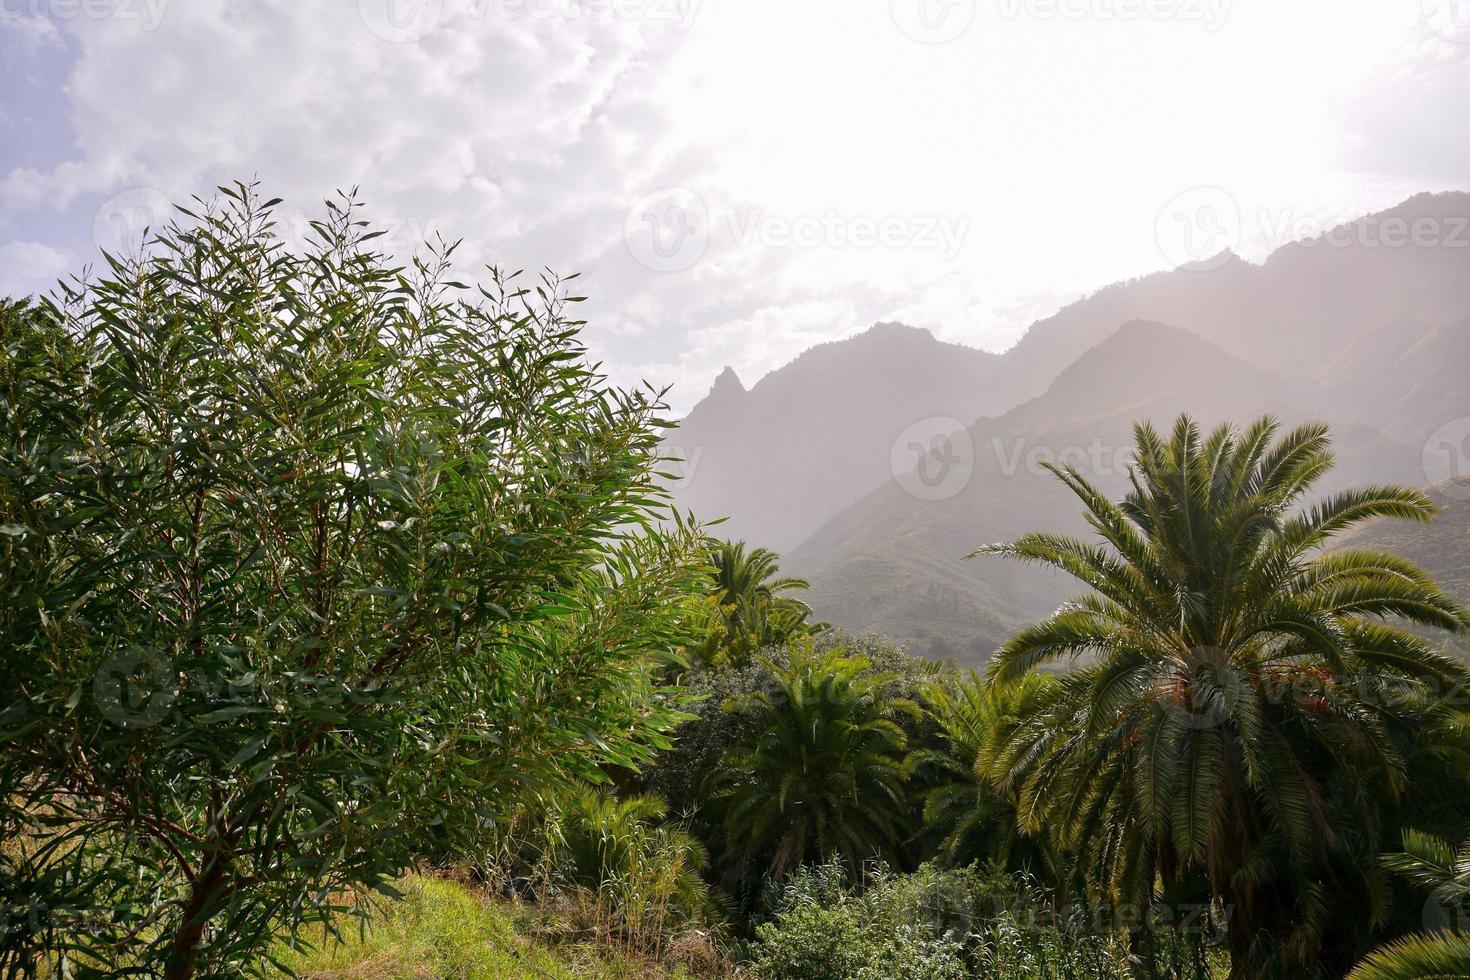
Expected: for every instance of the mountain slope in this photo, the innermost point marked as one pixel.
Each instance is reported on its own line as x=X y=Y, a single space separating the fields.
x=1309 y=299
x=814 y=436
x=1407 y=379
x=1441 y=548
x=895 y=562
x=1370 y=327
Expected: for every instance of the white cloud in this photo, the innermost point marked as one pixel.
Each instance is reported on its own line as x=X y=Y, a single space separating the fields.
x=31 y=31
x=29 y=268
x=532 y=127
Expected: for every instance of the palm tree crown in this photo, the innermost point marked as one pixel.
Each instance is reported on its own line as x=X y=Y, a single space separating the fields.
x=822 y=776
x=753 y=610
x=969 y=817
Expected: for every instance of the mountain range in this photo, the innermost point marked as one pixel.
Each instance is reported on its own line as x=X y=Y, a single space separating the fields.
x=876 y=463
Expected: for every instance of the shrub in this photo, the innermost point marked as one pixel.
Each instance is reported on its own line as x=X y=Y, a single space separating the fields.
x=644 y=872
x=899 y=926
x=938 y=923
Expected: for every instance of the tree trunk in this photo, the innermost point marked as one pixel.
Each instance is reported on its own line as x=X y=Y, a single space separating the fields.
x=183 y=957
x=1238 y=942
x=1241 y=933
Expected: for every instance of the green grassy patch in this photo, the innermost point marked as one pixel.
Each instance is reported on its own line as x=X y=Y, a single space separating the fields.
x=445 y=929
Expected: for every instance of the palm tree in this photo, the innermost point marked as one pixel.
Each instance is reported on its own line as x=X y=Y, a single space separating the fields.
x=753 y=610
x=968 y=817
x=822 y=774
x=1240 y=708
x=1444 y=873
x=750 y=575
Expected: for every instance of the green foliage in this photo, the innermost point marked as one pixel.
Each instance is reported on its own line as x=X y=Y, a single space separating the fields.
x=445 y=928
x=909 y=675
x=1243 y=719
x=644 y=871
x=747 y=609
x=820 y=774
x=728 y=711
x=721 y=706
x=1444 y=873
x=942 y=924
x=310 y=566
x=822 y=928
x=1439 y=957
x=968 y=817
x=1436 y=867
x=439 y=929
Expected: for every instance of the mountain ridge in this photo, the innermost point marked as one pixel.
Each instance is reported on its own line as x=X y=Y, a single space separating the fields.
x=780 y=457
x=813 y=459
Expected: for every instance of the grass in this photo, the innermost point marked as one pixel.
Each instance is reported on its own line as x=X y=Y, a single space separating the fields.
x=445 y=929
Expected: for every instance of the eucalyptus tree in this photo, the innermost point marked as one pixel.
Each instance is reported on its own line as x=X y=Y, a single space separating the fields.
x=311 y=562
x=1243 y=708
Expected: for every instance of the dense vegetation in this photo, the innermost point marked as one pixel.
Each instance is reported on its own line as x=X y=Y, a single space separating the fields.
x=320 y=573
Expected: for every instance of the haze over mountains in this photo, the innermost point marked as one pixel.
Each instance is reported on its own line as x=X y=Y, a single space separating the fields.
x=813 y=437
x=876 y=463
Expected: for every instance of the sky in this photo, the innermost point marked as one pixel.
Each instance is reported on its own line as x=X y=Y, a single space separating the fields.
x=738 y=180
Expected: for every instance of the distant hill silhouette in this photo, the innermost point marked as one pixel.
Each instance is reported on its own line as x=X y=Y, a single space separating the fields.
x=1309 y=298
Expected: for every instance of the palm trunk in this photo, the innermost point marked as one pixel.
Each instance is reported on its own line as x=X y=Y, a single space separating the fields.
x=1141 y=953
x=1247 y=921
